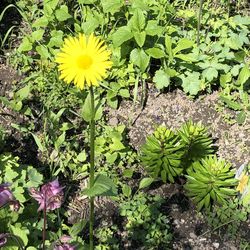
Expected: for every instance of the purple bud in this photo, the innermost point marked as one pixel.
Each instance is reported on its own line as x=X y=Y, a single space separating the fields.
x=3 y=239
x=49 y=196
x=5 y=194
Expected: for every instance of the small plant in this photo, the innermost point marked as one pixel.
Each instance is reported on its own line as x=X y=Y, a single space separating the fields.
x=198 y=143
x=162 y=154
x=210 y=180
x=228 y=216
x=145 y=223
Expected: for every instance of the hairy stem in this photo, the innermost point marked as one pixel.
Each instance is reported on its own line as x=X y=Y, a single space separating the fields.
x=44 y=222
x=92 y=167
x=199 y=22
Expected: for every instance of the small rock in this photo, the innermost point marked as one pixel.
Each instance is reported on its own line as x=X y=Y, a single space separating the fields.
x=182 y=221
x=192 y=235
x=203 y=239
x=216 y=245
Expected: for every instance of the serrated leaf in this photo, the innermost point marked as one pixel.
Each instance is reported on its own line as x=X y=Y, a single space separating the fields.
x=241 y=117
x=34 y=177
x=161 y=79
x=191 y=83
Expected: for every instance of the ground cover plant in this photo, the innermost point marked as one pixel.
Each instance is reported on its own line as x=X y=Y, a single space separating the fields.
x=71 y=176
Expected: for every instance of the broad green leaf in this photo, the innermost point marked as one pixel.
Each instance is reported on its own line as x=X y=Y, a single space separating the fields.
x=51 y=3
x=37 y=35
x=183 y=44
x=191 y=83
x=34 y=177
x=124 y=93
x=62 y=14
x=139 y=58
x=137 y=21
x=103 y=186
x=186 y=57
x=116 y=145
x=56 y=39
x=41 y=22
x=140 y=37
x=161 y=79
x=126 y=190
x=210 y=73
x=244 y=75
x=145 y=182
x=112 y=6
x=26 y=45
x=43 y=51
x=122 y=35
x=59 y=141
x=155 y=53
x=86 y=1
x=21 y=233
x=23 y=93
x=225 y=78
x=153 y=29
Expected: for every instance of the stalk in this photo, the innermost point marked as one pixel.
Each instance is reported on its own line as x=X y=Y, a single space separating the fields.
x=44 y=222
x=199 y=22
x=92 y=167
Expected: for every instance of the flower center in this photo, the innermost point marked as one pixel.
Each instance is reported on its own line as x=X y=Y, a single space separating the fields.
x=84 y=61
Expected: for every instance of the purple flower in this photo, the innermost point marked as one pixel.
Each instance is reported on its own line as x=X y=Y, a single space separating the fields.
x=50 y=195
x=3 y=239
x=5 y=194
x=64 y=247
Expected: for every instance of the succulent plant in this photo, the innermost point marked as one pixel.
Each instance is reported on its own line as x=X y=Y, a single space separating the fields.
x=210 y=180
x=197 y=142
x=162 y=154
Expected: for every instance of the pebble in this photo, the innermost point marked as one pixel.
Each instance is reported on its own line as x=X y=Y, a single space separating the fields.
x=216 y=245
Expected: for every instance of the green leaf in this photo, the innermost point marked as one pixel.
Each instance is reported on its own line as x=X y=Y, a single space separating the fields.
x=103 y=186
x=137 y=21
x=122 y=35
x=26 y=45
x=145 y=182
x=34 y=177
x=62 y=14
x=24 y=92
x=140 y=37
x=139 y=58
x=56 y=39
x=183 y=44
x=241 y=117
x=191 y=83
x=77 y=228
x=126 y=190
x=86 y=111
x=231 y=104
x=38 y=142
x=41 y=22
x=153 y=28
x=43 y=51
x=225 y=78
x=111 y=6
x=155 y=53
x=168 y=45
x=59 y=141
x=244 y=75
x=124 y=93
x=161 y=79
x=20 y=233
x=37 y=35
x=210 y=73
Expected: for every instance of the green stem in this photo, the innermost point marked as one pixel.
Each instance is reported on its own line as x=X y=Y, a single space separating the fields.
x=199 y=22
x=92 y=167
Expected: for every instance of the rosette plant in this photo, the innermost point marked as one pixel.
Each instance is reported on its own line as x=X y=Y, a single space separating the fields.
x=162 y=155
x=210 y=180
x=197 y=142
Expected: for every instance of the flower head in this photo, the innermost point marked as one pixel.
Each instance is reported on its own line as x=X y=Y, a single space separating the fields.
x=242 y=183
x=83 y=60
x=5 y=194
x=50 y=195
x=64 y=247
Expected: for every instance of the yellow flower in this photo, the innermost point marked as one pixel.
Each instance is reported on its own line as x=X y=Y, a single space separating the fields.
x=242 y=183
x=83 y=60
